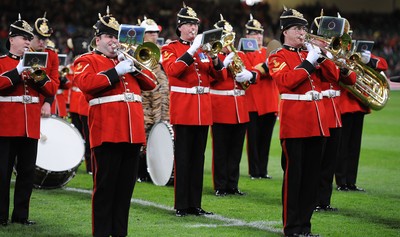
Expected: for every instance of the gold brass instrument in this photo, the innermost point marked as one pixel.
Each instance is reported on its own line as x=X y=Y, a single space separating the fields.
x=37 y=73
x=371 y=87
x=213 y=48
x=236 y=66
x=63 y=72
x=145 y=56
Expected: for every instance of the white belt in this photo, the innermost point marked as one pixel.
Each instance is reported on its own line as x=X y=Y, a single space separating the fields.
x=25 y=99
x=60 y=91
x=234 y=92
x=76 y=89
x=126 y=97
x=309 y=96
x=193 y=90
x=330 y=93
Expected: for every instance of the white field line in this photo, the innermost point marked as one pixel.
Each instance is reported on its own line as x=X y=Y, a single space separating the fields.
x=261 y=225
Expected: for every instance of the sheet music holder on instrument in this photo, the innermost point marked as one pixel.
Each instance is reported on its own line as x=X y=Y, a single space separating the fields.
x=37 y=59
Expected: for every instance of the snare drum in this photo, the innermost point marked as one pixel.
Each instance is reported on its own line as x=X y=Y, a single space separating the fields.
x=60 y=152
x=160 y=153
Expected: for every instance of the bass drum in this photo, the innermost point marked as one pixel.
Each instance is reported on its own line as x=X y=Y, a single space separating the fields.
x=60 y=152
x=160 y=154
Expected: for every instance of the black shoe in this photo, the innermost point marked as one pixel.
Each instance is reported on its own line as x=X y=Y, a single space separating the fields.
x=342 y=188
x=220 y=193
x=325 y=208
x=24 y=222
x=198 y=211
x=353 y=187
x=293 y=235
x=266 y=177
x=3 y=222
x=181 y=212
x=255 y=177
x=235 y=191
x=309 y=235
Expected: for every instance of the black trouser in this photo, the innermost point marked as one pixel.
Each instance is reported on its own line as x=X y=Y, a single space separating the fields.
x=301 y=163
x=88 y=153
x=328 y=166
x=350 y=146
x=259 y=134
x=22 y=152
x=114 y=172
x=227 y=146
x=190 y=145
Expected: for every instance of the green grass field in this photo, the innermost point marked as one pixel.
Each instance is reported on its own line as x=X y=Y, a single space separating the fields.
x=67 y=211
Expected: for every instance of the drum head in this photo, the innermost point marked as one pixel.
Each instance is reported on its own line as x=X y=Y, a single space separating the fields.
x=60 y=147
x=160 y=154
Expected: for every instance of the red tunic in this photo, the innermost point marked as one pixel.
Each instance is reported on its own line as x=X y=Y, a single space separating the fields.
x=295 y=75
x=20 y=119
x=114 y=121
x=229 y=109
x=186 y=71
x=263 y=96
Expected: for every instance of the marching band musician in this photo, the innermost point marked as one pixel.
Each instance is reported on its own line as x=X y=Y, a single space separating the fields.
x=190 y=72
x=353 y=112
x=116 y=124
x=262 y=101
x=331 y=98
x=20 y=123
x=78 y=106
x=156 y=102
x=42 y=32
x=59 y=105
x=303 y=122
x=230 y=118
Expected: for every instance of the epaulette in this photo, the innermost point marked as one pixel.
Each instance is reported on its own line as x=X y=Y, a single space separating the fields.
x=84 y=54
x=173 y=42
x=275 y=51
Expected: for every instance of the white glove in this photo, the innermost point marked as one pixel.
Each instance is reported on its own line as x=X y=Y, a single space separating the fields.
x=20 y=67
x=125 y=66
x=329 y=55
x=244 y=75
x=121 y=56
x=195 y=45
x=365 y=56
x=228 y=59
x=313 y=53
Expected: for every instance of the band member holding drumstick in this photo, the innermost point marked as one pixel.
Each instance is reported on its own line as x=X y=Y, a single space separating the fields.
x=190 y=72
x=156 y=102
x=304 y=126
x=230 y=116
x=19 y=123
x=113 y=90
x=42 y=32
x=262 y=101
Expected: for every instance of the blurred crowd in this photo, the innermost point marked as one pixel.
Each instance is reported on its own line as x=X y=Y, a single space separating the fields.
x=72 y=17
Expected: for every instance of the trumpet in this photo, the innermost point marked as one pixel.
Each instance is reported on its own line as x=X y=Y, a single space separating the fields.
x=236 y=66
x=63 y=72
x=145 y=56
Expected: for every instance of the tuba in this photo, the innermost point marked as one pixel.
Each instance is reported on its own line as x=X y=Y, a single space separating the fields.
x=371 y=87
x=236 y=66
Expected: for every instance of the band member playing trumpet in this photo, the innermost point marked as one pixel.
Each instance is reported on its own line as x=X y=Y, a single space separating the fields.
x=230 y=117
x=19 y=123
x=42 y=32
x=303 y=123
x=113 y=90
x=262 y=101
x=190 y=72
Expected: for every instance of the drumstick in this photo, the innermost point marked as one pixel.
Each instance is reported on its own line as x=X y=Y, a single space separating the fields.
x=43 y=137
